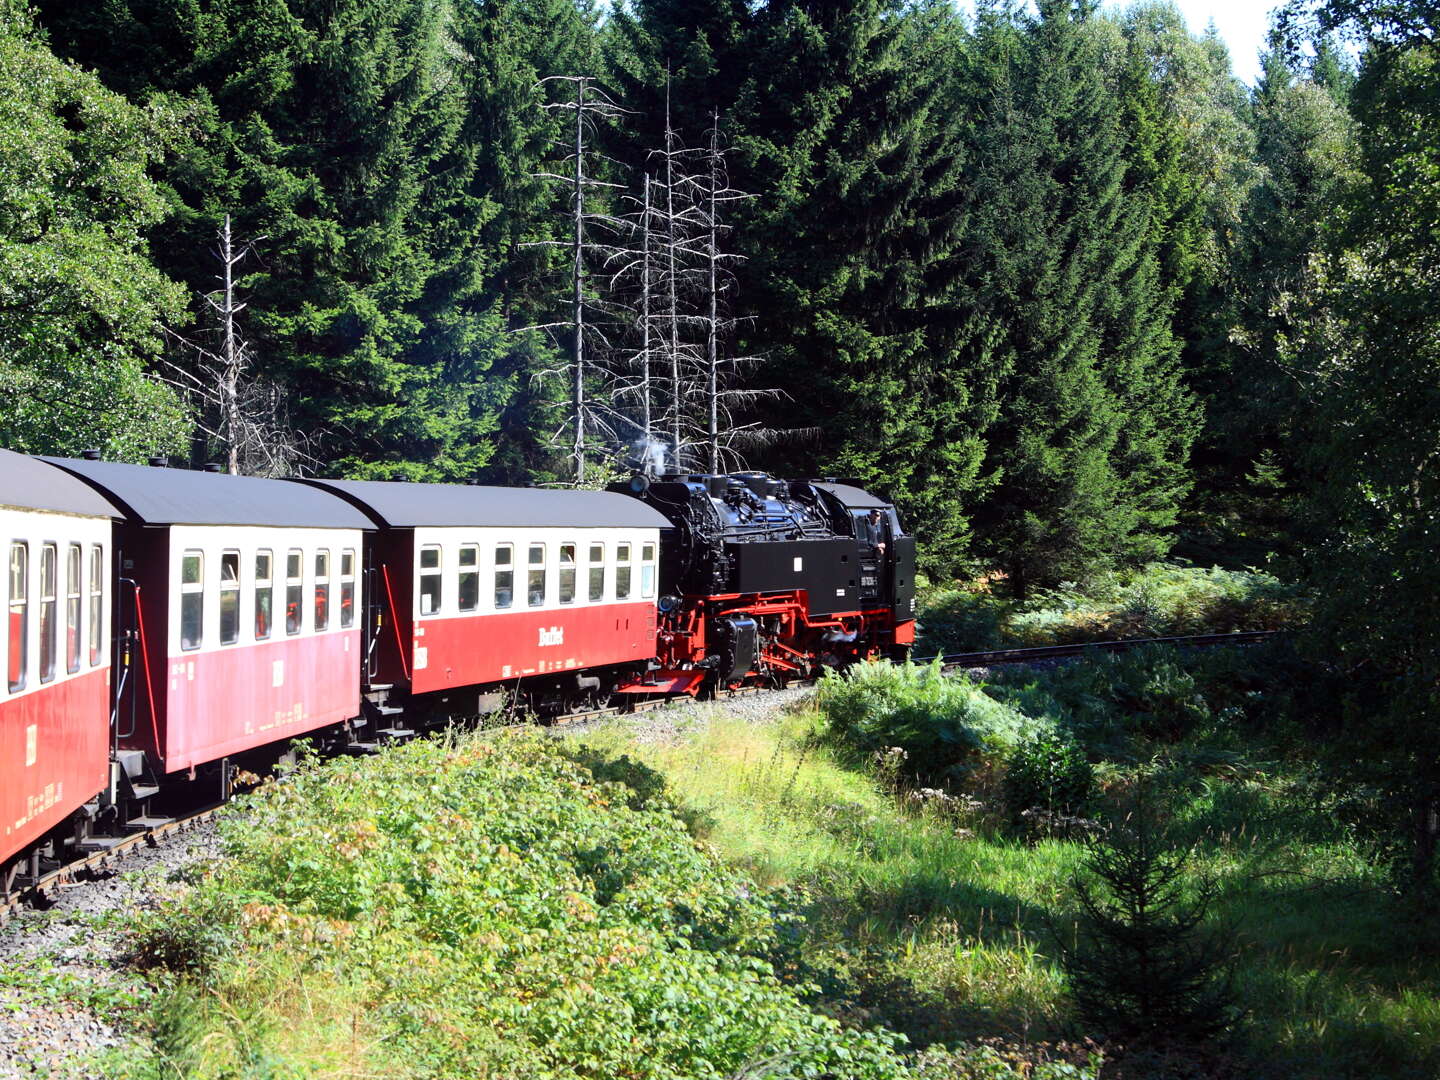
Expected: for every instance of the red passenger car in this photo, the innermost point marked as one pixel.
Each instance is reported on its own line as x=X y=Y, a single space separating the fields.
x=55 y=698
x=485 y=586
x=248 y=598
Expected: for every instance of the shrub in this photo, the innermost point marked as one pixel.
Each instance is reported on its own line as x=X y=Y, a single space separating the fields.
x=1155 y=600
x=488 y=907
x=942 y=723
x=1048 y=771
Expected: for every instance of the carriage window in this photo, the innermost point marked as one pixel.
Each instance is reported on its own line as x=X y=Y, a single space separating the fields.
x=264 y=593
x=347 y=587
x=469 y=577
x=622 y=572
x=536 y=585
x=49 y=555
x=74 y=584
x=504 y=576
x=19 y=615
x=430 y=580
x=229 y=597
x=97 y=600
x=322 y=589
x=647 y=571
x=192 y=599
x=567 y=573
x=294 y=588
x=597 y=573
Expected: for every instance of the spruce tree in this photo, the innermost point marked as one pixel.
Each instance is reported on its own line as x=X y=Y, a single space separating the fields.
x=1095 y=424
x=338 y=131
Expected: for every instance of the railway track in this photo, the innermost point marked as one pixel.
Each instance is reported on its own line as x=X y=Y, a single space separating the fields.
x=35 y=894
x=956 y=661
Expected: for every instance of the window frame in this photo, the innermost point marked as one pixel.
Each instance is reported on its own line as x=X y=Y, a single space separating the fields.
x=572 y=571
x=96 y=598
x=531 y=564
x=266 y=585
x=232 y=587
x=624 y=569
x=425 y=575
x=508 y=570
x=649 y=569
x=49 y=595
x=22 y=669
x=467 y=571
x=347 y=588
x=320 y=595
x=192 y=588
x=596 y=566
x=74 y=604
x=295 y=583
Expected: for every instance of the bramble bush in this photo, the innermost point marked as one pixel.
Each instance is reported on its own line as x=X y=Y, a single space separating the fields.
x=1049 y=772
x=486 y=906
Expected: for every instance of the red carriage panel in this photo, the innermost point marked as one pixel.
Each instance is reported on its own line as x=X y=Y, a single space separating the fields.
x=243 y=593
x=223 y=702
x=55 y=696
x=54 y=756
x=492 y=648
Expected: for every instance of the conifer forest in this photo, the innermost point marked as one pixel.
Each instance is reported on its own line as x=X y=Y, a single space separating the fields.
x=1135 y=348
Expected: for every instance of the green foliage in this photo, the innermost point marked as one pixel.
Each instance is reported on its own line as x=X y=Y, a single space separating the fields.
x=345 y=135
x=1155 y=600
x=1090 y=447
x=81 y=303
x=924 y=914
x=1371 y=336
x=488 y=905
x=1048 y=772
x=1142 y=962
x=944 y=724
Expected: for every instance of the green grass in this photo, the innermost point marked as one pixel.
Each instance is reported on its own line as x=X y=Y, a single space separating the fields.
x=498 y=904
x=924 y=915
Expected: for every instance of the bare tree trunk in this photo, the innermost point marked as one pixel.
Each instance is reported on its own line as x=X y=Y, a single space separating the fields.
x=677 y=396
x=577 y=279
x=230 y=355
x=712 y=352
x=645 y=318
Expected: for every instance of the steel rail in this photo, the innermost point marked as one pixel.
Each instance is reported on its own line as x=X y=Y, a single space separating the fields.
x=68 y=873
x=1050 y=652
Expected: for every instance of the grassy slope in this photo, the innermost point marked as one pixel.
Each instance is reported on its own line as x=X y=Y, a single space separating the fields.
x=924 y=919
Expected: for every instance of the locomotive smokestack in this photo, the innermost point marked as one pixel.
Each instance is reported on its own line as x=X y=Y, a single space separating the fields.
x=159 y=461
x=90 y=455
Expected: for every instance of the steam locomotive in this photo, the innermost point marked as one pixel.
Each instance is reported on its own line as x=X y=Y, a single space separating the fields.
x=166 y=627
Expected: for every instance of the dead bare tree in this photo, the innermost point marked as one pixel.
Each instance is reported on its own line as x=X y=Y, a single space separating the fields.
x=588 y=416
x=721 y=374
x=244 y=415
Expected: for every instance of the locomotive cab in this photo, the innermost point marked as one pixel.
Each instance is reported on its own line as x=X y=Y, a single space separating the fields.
x=766 y=579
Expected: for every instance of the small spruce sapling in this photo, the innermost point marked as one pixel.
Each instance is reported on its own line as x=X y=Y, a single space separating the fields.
x=1141 y=961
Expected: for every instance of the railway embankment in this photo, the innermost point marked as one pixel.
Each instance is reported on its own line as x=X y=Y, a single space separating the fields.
x=869 y=879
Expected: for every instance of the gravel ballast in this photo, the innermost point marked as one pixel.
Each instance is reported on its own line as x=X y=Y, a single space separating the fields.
x=58 y=965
